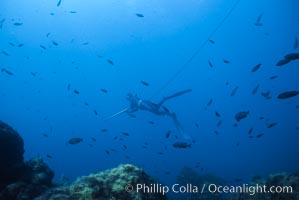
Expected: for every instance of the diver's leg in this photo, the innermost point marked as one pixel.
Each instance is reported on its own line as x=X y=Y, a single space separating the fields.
x=179 y=126
x=173 y=95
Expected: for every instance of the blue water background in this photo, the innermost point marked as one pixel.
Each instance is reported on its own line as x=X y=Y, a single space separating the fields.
x=152 y=49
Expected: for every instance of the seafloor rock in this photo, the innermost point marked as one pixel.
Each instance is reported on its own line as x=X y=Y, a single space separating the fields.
x=11 y=155
x=281 y=180
x=107 y=185
x=20 y=180
x=35 y=180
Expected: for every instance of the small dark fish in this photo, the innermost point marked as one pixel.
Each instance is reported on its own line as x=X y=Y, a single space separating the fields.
x=132 y=115
x=104 y=90
x=75 y=140
x=235 y=125
x=250 y=131
x=76 y=92
x=85 y=43
x=210 y=64
x=234 y=91
x=226 y=61
x=99 y=56
x=11 y=44
x=104 y=130
x=110 y=62
x=258 y=24
x=259 y=18
x=125 y=147
x=273 y=77
x=259 y=135
x=58 y=3
x=181 y=145
x=219 y=123
x=216 y=132
x=295 y=46
x=282 y=62
x=54 y=43
x=18 y=23
x=167 y=134
x=217 y=114
x=266 y=94
x=144 y=83
x=52 y=14
x=292 y=56
x=196 y=124
x=272 y=124
x=210 y=102
x=5 y=53
x=95 y=112
x=93 y=139
x=241 y=115
x=86 y=104
x=33 y=73
x=45 y=135
x=212 y=41
x=288 y=94
x=73 y=12
x=43 y=47
x=1 y=23
x=166 y=109
x=261 y=117
x=139 y=15
x=255 y=68
x=49 y=156
x=151 y=122
x=7 y=72
x=21 y=45
x=254 y=91
x=68 y=87
x=107 y=152
x=125 y=133
x=48 y=34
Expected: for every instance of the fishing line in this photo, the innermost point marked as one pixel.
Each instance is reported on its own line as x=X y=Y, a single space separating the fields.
x=194 y=55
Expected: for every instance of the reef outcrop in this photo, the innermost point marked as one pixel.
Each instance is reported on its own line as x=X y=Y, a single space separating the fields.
x=11 y=155
x=108 y=185
x=20 y=179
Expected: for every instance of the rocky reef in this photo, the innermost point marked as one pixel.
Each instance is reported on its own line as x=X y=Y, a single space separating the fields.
x=11 y=155
x=32 y=179
x=107 y=185
x=20 y=179
x=188 y=175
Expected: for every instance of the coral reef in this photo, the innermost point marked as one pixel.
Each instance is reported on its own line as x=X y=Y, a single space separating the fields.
x=107 y=185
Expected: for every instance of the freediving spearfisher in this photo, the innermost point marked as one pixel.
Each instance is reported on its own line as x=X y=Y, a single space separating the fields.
x=137 y=103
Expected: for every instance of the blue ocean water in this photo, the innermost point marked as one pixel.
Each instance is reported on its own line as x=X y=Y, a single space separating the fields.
x=67 y=68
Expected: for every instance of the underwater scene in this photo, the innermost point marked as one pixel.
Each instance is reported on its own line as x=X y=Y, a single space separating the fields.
x=140 y=99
